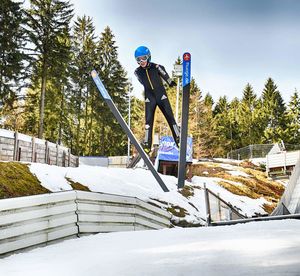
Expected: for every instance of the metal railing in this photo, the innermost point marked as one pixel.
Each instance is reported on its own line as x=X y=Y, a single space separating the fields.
x=218 y=209
x=249 y=152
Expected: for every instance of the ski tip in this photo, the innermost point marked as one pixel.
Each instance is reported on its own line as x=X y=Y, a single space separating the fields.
x=94 y=73
x=187 y=56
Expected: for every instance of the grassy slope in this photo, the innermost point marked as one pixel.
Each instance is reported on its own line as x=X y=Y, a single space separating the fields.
x=255 y=186
x=16 y=180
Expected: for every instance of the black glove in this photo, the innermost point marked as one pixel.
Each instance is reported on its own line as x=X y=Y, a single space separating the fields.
x=172 y=84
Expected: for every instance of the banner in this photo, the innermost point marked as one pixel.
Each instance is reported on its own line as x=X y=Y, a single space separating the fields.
x=168 y=150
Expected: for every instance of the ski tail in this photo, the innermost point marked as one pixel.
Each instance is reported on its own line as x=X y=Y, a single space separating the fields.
x=134 y=161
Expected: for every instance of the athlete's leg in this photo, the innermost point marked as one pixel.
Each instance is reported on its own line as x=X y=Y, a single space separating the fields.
x=150 y=106
x=166 y=109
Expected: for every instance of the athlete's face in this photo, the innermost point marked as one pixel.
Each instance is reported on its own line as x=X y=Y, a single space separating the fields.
x=142 y=61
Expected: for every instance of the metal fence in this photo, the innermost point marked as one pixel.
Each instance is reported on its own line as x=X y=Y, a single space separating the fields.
x=249 y=152
x=256 y=151
x=218 y=209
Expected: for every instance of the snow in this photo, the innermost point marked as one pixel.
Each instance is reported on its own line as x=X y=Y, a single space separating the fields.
x=269 y=248
x=140 y=183
x=7 y=133
x=129 y=182
x=258 y=161
x=238 y=173
x=246 y=205
x=24 y=137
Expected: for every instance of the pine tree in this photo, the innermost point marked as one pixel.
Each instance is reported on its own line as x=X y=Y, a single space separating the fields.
x=48 y=23
x=273 y=113
x=195 y=117
x=223 y=126
x=292 y=131
x=210 y=137
x=83 y=94
x=246 y=116
x=138 y=118
x=113 y=139
x=12 y=54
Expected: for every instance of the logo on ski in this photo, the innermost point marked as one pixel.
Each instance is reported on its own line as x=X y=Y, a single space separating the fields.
x=187 y=57
x=186 y=69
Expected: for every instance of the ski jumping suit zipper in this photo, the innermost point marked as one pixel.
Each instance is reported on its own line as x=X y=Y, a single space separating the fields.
x=149 y=79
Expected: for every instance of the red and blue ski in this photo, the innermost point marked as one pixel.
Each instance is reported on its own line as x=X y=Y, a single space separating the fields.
x=186 y=80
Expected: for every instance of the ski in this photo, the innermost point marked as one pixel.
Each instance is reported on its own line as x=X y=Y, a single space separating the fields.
x=127 y=130
x=134 y=161
x=186 y=79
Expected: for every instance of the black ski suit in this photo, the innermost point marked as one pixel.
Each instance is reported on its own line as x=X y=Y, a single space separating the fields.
x=155 y=95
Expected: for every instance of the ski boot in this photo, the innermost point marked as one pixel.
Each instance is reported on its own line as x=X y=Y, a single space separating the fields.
x=146 y=147
x=177 y=142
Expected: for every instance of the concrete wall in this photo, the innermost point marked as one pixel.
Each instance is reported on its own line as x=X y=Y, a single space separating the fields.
x=37 y=220
x=117 y=161
x=19 y=147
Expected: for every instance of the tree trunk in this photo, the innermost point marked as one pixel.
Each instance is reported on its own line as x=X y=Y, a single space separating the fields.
x=102 y=139
x=61 y=119
x=78 y=123
x=42 y=101
x=91 y=125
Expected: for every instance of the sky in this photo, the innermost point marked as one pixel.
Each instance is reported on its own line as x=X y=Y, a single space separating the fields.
x=232 y=42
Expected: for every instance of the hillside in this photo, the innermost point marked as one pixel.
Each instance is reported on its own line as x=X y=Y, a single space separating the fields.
x=244 y=186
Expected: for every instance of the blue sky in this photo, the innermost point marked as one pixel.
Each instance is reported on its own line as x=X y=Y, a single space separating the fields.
x=232 y=42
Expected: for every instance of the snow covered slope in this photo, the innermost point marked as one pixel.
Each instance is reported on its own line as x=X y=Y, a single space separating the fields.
x=140 y=183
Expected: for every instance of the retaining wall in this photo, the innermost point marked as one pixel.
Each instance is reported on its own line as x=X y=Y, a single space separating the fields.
x=37 y=220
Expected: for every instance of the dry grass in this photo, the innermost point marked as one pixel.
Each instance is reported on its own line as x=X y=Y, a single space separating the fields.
x=238 y=190
x=77 y=186
x=16 y=180
x=187 y=191
x=255 y=186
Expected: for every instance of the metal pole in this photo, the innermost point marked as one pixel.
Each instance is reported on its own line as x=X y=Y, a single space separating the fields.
x=129 y=117
x=177 y=100
x=207 y=207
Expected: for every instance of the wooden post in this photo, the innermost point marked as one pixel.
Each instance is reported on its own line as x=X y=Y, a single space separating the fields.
x=64 y=159
x=69 y=157
x=46 y=152
x=33 y=149
x=15 y=153
x=56 y=154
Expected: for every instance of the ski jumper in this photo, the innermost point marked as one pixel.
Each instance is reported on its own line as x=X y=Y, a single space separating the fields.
x=155 y=95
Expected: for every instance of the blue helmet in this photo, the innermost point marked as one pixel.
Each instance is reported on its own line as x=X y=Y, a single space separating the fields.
x=142 y=51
